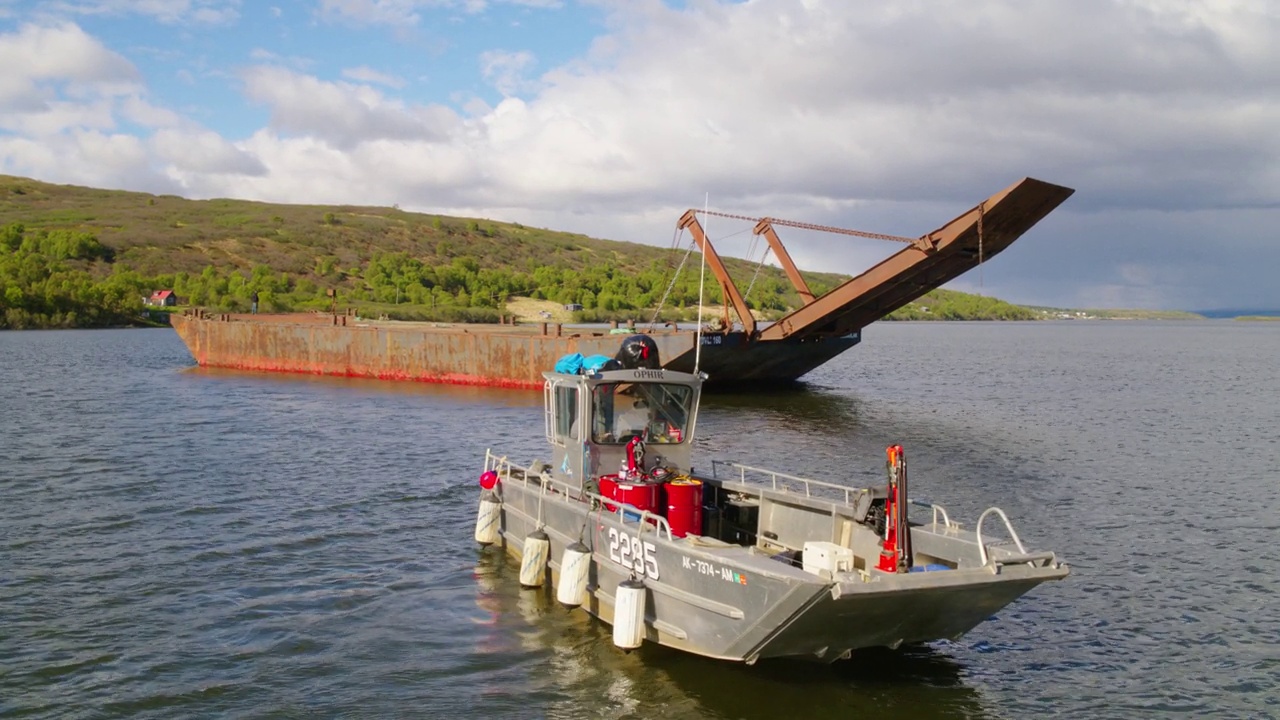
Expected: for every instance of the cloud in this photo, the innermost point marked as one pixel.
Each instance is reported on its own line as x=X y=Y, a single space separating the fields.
x=141 y=112
x=61 y=53
x=203 y=152
x=58 y=77
x=505 y=70
x=366 y=74
x=372 y=12
x=343 y=114
x=406 y=12
x=86 y=157
x=205 y=12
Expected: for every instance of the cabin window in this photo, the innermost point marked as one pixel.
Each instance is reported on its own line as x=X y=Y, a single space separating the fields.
x=566 y=412
x=657 y=413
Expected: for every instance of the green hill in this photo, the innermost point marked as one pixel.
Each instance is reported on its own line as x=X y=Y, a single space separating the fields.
x=73 y=256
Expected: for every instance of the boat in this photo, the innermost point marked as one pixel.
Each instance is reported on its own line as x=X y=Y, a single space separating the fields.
x=742 y=351
x=733 y=562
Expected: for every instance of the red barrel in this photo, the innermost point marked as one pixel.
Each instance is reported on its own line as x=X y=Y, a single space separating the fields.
x=684 y=507
x=609 y=489
x=640 y=495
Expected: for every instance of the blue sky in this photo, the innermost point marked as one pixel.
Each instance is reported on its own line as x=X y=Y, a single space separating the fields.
x=610 y=117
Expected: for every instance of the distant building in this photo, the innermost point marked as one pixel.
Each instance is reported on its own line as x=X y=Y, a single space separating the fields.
x=573 y=307
x=163 y=298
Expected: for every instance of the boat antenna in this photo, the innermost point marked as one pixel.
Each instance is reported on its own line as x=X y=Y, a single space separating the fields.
x=702 y=281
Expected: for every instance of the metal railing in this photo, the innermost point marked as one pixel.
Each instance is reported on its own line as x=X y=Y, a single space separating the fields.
x=937 y=509
x=1022 y=557
x=775 y=477
x=548 y=484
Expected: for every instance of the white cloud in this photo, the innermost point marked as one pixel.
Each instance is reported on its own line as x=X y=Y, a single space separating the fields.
x=341 y=113
x=62 y=53
x=366 y=74
x=85 y=157
x=203 y=152
x=57 y=78
x=141 y=112
x=406 y=12
x=505 y=71
x=372 y=12
x=206 y=12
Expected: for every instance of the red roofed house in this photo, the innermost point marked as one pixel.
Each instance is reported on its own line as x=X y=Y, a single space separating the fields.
x=163 y=298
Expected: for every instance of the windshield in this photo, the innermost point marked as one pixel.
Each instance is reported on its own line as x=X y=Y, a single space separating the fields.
x=655 y=412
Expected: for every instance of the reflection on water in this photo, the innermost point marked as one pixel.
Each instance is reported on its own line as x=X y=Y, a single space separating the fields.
x=179 y=543
x=806 y=408
x=913 y=682
x=479 y=394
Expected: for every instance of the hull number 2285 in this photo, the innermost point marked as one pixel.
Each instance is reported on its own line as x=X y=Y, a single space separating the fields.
x=633 y=553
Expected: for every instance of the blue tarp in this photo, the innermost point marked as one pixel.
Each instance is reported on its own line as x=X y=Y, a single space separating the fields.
x=570 y=364
x=594 y=363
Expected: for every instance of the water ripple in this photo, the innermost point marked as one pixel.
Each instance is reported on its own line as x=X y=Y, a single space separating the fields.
x=177 y=543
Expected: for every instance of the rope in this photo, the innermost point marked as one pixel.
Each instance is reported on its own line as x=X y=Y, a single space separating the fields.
x=755 y=275
x=674 y=245
x=811 y=226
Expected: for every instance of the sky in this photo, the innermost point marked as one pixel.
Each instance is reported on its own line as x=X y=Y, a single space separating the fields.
x=611 y=117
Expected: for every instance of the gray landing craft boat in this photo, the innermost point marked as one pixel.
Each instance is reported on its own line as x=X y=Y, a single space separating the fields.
x=741 y=563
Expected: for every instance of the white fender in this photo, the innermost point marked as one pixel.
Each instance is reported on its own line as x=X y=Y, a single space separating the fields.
x=628 y=615
x=489 y=518
x=533 y=560
x=575 y=565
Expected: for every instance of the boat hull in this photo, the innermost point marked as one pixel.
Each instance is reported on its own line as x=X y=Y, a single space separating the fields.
x=735 y=603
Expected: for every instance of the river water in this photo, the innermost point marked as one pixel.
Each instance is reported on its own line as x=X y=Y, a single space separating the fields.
x=177 y=542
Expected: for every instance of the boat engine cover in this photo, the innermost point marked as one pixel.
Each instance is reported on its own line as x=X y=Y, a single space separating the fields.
x=639 y=352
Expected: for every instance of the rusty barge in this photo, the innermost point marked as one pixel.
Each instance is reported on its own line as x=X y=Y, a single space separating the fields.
x=741 y=352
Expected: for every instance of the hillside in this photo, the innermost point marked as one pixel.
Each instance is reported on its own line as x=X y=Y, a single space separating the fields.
x=74 y=256
x=217 y=252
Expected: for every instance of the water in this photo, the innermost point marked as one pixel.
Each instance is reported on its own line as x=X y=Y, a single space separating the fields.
x=177 y=542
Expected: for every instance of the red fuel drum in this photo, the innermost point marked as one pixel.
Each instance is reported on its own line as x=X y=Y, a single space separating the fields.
x=640 y=495
x=609 y=489
x=684 y=507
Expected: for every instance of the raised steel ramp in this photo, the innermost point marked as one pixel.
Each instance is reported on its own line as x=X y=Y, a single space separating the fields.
x=930 y=262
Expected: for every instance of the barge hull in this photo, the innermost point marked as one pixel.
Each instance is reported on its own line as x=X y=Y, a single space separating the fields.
x=489 y=355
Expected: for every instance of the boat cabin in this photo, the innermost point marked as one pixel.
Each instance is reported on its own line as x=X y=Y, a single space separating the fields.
x=624 y=424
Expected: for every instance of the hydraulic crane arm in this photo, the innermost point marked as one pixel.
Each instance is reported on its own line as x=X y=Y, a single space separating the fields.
x=690 y=221
x=765 y=228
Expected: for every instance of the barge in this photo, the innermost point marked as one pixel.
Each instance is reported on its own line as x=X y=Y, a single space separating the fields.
x=742 y=351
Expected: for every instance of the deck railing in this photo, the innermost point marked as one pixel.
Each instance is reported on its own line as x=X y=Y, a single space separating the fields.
x=546 y=484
